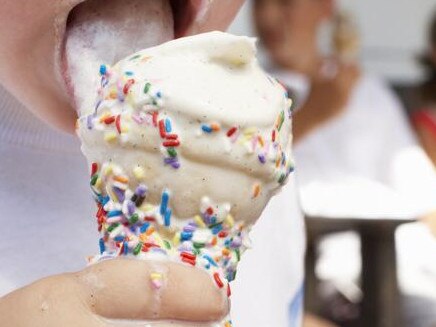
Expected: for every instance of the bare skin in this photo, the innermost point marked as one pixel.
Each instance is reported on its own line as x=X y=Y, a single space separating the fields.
x=102 y=291
x=289 y=31
x=31 y=42
x=321 y=106
x=31 y=45
x=428 y=141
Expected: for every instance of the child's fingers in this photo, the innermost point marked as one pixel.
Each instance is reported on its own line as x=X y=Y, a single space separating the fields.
x=141 y=290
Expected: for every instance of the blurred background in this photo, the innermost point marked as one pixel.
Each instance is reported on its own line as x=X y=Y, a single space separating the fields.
x=393 y=33
x=362 y=75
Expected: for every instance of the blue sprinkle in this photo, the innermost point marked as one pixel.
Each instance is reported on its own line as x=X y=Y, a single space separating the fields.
x=103 y=70
x=114 y=213
x=159 y=94
x=167 y=217
x=105 y=200
x=168 y=126
x=126 y=248
x=102 y=246
x=89 y=122
x=144 y=228
x=217 y=229
x=211 y=261
x=164 y=202
x=129 y=73
x=119 y=239
x=206 y=128
x=185 y=236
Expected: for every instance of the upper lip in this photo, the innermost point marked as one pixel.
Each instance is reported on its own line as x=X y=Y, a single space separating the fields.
x=185 y=13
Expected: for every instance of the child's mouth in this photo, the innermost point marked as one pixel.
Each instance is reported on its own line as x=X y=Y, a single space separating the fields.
x=105 y=31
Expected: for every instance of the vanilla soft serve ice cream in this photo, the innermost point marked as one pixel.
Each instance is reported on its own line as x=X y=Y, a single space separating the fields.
x=187 y=142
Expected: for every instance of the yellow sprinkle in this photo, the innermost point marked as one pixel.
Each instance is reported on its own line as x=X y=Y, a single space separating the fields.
x=110 y=137
x=230 y=221
x=156 y=276
x=176 y=239
x=147 y=207
x=139 y=172
x=98 y=184
x=227 y=324
x=256 y=191
x=250 y=131
x=158 y=240
x=199 y=221
x=108 y=170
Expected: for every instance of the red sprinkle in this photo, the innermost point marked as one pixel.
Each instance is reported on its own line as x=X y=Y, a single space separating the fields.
x=231 y=131
x=222 y=234
x=109 y=120
x=118 y=123
x=273 y=137
x=162 y=131
x=151 y=245
x=150 y=219
x=94 y=168
x=188 y=255
x=209 y=211
x=171 y=143
x=127 y=86
x=189 y=261
x=229 y=291
x=155 y=114
x=218 y=280
x=171 y=136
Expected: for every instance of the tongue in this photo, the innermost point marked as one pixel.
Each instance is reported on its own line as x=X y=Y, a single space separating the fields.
x=105 y=31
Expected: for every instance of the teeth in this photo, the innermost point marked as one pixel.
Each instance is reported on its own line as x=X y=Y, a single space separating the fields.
x=105 y=31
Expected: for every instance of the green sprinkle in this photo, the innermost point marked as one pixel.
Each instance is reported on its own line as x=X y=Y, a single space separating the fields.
x=112 y=227
x=196 y=251
x=167 y=244
x=215 y=225
x=172 y=152
x=147 y=87
x=94 y=179
x=137 y=248
x=282 y=119
x=282 y=178
x=238 y=254
x=198 y=245
x=134 y=219
x=135 y=57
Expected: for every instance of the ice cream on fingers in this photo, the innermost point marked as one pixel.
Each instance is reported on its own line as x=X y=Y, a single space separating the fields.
x=187 y=142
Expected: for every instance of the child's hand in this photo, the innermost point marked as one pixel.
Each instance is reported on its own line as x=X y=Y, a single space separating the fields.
x=115 y=289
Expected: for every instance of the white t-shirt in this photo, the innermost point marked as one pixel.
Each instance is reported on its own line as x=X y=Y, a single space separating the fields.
x=367 y=163
x=48 y=224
